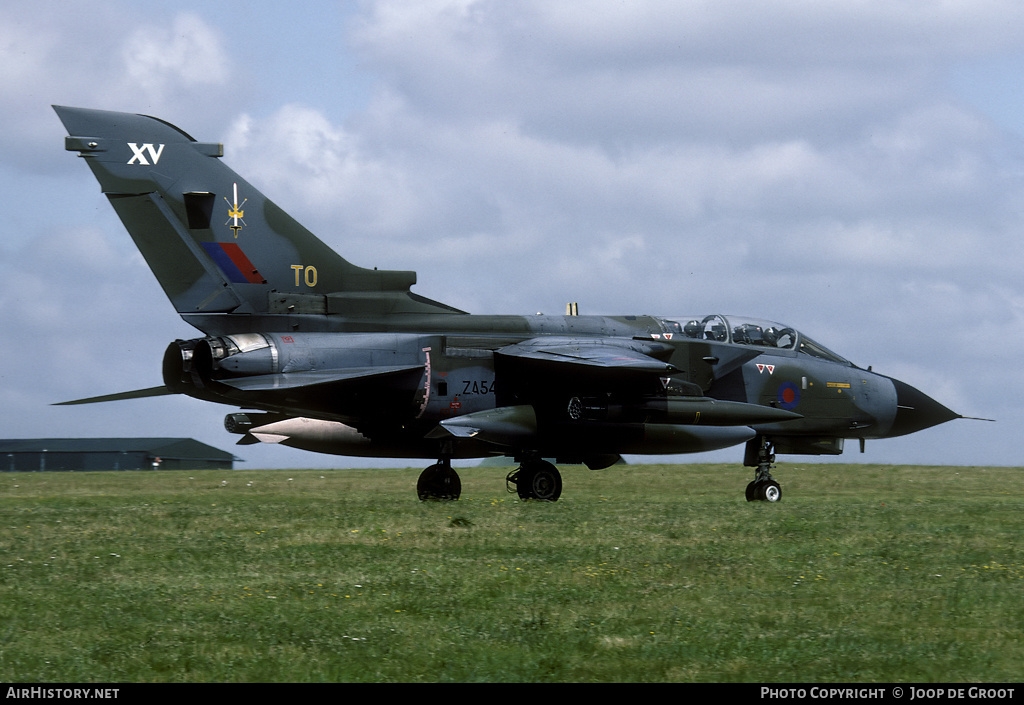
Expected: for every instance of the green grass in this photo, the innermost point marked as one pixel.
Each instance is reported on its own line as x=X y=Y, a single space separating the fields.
x=640 y=573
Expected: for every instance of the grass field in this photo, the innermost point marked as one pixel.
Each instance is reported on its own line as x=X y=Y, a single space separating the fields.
x=645 y=573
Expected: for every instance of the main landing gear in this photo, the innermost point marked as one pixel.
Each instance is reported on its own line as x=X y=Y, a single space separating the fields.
x=764 y=488
x=536 y=479
x=439 y=483
x=533 y=479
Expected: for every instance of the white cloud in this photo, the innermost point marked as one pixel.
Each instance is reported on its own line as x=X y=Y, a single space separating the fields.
x=323 y=176
x=627 y=73
x=114 y=56
x=186 y=54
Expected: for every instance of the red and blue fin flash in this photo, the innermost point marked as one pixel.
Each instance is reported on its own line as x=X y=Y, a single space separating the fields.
x=233 y=262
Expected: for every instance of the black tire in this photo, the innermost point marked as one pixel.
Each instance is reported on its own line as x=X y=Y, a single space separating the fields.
x=752 y=491
x=439 y=483
x=540 y=481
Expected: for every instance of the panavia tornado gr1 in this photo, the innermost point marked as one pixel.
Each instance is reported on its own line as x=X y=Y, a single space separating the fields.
x=326 y=356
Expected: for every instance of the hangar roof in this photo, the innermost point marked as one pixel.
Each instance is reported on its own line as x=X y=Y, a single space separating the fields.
x=163 y=447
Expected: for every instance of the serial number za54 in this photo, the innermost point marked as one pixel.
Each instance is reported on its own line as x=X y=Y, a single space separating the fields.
x=473 y=386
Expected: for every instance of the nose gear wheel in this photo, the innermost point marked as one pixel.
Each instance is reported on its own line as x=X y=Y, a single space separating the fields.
x=764 y=488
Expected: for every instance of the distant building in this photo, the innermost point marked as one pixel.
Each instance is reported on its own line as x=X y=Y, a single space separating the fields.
x=83 y=454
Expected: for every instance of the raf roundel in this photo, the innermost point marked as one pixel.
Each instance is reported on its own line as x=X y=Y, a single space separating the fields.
x=789 y=395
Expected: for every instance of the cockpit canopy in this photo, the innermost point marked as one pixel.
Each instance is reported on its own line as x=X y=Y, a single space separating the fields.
x=747 y=331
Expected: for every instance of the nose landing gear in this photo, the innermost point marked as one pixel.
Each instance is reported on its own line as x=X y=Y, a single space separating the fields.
x=764 y=488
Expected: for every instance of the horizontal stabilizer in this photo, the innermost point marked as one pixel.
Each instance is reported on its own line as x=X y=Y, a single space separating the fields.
x=121 y=396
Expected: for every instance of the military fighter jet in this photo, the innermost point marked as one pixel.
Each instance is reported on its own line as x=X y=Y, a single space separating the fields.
x=327 y=356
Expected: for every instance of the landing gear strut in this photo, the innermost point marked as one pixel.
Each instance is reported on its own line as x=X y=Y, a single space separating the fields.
x=764 y=488
x=439 y=482
x=536 y=479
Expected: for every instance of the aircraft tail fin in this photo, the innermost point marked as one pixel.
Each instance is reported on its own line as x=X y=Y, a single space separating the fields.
x=215 y=243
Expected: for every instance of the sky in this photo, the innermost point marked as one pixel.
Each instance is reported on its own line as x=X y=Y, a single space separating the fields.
x=853 y=169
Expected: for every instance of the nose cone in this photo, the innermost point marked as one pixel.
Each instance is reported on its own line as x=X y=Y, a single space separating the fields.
x=916 y=411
